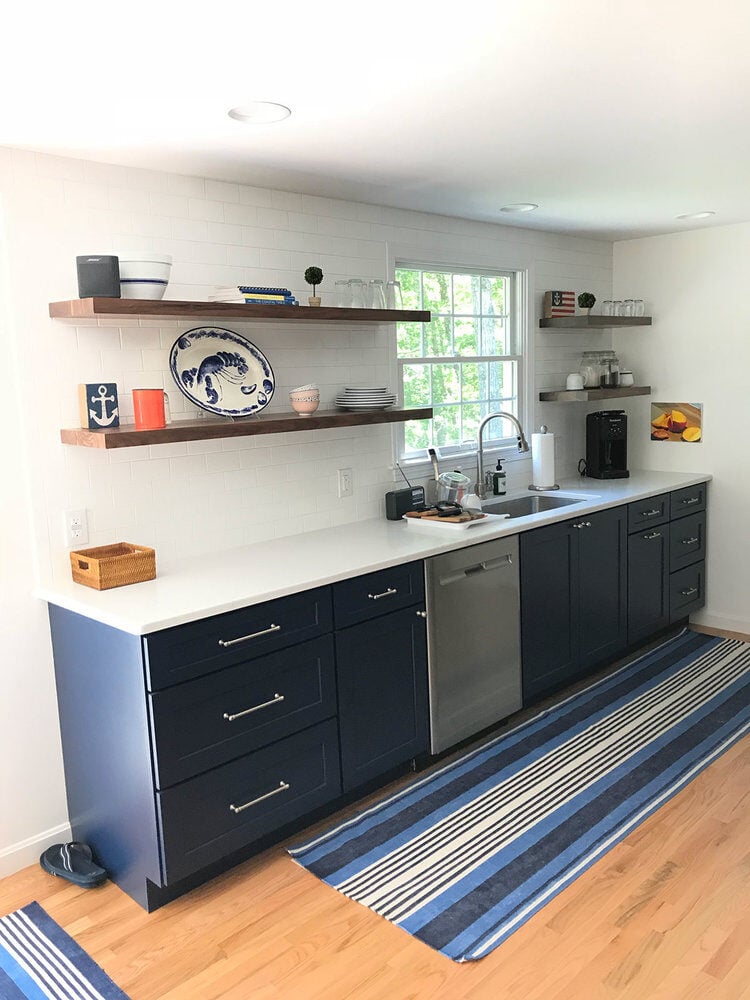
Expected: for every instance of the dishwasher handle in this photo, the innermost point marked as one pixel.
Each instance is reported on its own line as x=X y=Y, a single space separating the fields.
x=483 y=567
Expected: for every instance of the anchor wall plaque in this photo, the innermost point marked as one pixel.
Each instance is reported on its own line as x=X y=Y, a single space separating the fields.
x=98 y=405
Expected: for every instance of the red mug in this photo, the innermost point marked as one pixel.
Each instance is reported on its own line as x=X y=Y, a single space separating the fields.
x=148 y=407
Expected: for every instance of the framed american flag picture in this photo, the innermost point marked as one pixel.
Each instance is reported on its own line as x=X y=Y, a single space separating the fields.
x=559 y=304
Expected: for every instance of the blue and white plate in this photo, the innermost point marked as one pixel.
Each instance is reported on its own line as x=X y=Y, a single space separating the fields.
x=222 y=372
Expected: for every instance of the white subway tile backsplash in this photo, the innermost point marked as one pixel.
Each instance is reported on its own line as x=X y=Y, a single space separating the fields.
x=245 y=489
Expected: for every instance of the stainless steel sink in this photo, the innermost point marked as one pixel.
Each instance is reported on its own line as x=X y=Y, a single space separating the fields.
x=522 y=506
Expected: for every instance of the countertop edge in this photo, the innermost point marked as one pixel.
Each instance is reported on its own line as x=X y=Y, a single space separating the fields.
x=179 y=594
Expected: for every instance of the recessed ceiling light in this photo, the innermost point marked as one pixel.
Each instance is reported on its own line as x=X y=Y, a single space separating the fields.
x=696 y=215
x=260 y=112
x=522 y=206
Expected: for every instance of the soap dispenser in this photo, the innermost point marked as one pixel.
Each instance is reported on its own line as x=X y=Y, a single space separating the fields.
x=498 y=480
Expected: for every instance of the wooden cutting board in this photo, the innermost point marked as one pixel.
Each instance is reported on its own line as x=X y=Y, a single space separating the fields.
x=453 y=519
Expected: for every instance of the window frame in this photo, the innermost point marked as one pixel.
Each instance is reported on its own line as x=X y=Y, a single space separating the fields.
x=506 y=447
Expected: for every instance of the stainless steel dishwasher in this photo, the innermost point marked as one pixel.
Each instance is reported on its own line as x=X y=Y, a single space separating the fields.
x=473 y=639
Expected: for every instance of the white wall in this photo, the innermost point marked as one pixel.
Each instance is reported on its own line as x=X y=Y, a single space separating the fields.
x=698 y=351
x=198 y=496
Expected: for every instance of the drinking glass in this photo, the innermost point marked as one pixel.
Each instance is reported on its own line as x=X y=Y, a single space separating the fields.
x=343 y=293
x=638 y=307
x=627 y=307
x=608 y=307
x=377 y=294
x=357 y=293
x=393 y=299
x=617 y=307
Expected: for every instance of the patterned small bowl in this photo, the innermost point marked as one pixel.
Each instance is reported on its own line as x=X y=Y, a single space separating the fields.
x=304 y=407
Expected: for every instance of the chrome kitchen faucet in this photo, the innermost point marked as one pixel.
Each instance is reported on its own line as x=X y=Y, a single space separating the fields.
x=480 y=488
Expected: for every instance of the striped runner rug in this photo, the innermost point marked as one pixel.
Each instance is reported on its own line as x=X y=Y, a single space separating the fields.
x=464 y=856
x=39 y=961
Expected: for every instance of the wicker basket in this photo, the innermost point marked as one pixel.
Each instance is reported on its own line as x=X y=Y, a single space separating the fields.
x=113 y=565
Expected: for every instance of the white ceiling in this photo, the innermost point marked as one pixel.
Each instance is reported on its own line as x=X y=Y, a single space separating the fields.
x=614 y=117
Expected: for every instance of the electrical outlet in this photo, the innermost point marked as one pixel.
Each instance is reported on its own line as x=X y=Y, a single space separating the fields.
x=76 y=528
x=346 y=482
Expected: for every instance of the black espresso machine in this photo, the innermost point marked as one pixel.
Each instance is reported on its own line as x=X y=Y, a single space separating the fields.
x=607 y=445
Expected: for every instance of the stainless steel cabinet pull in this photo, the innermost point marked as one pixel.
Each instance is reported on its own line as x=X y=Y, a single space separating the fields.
x=687 y=593
x=654 y=534
x=422 y=614
x=256 y=708
x=582 y=524
x=386 y=593
x=253 y=802
x=253 y=635
x=689 y=541
x=651 y=513
x=691 y=500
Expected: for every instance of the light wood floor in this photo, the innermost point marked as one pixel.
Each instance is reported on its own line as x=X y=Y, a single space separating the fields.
x=663 y=916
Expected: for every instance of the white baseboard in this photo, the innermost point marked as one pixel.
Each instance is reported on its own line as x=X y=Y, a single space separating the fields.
x=26 y=852
x=720 y=622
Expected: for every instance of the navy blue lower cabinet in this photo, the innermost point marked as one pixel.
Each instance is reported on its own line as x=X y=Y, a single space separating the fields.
x=573 y=599
x=549 y=609
x=602 y=586
x=209 y=817
x=207 y=722
x=648 y=582
x=381 y=669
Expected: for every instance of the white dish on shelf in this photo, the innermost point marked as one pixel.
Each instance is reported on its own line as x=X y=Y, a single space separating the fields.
x=221 y=372
x=443 y=525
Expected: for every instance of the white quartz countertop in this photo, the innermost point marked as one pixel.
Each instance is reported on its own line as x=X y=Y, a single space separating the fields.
x=196 y=587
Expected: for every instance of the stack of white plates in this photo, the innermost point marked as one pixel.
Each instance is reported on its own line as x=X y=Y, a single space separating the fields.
x=365 y=397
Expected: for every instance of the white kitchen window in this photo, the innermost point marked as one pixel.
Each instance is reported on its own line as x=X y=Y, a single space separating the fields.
x=467 y=362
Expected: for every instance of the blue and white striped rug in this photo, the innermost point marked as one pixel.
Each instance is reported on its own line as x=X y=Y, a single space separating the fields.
x=464 y=856
x=39 y=961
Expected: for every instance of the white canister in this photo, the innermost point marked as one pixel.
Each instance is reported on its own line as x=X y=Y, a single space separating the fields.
x=574 y=381
x=627 y=378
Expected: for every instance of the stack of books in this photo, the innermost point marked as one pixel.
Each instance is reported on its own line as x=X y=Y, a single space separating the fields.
x=254 y=293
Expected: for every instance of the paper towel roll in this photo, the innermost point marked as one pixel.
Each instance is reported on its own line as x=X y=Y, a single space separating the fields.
x=543 y=461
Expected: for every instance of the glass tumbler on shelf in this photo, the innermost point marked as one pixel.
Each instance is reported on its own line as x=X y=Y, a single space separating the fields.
x=393 y=299
x=639 y=308
x=343 y=293
x=608 y=307
x=357 y=293
x=627 y=307
x=377 y=294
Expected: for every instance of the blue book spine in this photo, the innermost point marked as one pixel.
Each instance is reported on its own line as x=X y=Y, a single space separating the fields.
x=257 y=290
x=272 y=302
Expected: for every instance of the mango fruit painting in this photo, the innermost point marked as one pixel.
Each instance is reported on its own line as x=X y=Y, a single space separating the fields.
x=677 y=422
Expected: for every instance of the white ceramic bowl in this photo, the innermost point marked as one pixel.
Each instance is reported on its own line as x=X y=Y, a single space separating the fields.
x=144 y=274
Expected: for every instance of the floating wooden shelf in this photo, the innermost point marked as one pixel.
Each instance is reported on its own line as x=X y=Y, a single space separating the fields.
x=592 y=322
x=175 y=309
x=586 y=395
x=210 y=427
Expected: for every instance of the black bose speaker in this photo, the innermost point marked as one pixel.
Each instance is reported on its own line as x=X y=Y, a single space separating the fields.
x=98 y=276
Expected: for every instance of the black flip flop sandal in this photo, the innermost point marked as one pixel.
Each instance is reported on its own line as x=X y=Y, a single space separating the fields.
x=74 y=862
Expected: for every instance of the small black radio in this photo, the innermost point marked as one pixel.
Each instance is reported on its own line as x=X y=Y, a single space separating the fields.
x=398 y=502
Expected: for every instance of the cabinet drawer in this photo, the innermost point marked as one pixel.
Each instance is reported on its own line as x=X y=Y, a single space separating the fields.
x=687 y=541
x=212 y=720
x=375 y=594
x=179 y=654
x=224 y=810
x=652 y=510
x=689 y=500
x=687 y=590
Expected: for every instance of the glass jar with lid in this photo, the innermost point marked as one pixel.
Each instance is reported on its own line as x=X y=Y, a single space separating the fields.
x=610 y=369
x=590 y=368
